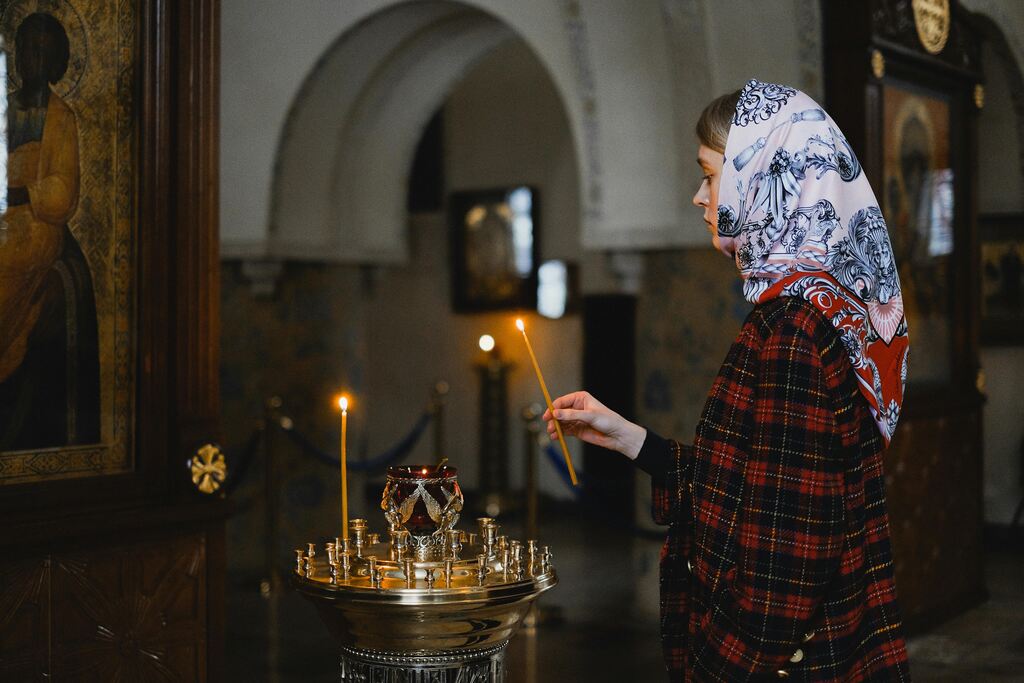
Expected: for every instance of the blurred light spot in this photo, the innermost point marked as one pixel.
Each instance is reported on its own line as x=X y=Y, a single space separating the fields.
x=552 y=289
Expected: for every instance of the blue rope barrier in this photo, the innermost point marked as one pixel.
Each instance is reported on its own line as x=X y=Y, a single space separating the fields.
x=237 y=475
x=558 y=462
x=393 y=454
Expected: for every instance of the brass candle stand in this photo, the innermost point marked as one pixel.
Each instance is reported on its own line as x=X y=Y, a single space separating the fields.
x=429 y=602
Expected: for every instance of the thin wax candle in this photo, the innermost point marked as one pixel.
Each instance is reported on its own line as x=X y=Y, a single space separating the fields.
x=547 y=399
x=343 y=404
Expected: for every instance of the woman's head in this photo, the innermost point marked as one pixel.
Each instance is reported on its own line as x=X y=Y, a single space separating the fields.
x=714 y=122
x=793 y=204
x=42 y=49
x=713 y=132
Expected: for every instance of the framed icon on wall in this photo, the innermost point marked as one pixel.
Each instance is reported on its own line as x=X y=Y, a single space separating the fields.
x=917 y=199
x=1002 y=278
x=67 y=240
x=495 y=249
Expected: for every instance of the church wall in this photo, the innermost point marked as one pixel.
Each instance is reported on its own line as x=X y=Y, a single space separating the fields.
x=762 y=40
x=272 y=50
x=1008 y=16
x=267 y=50
x=1000 y=190
x=1000 y=178
x=626 y=73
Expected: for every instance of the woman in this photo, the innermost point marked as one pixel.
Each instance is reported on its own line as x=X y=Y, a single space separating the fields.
x=777 y=562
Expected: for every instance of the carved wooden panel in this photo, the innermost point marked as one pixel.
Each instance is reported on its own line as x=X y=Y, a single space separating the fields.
x=24 y=611
x=933 y=480
x=129 y=613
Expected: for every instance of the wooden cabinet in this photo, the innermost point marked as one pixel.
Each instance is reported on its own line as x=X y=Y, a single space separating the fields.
x=902 y=80
x=134 y=611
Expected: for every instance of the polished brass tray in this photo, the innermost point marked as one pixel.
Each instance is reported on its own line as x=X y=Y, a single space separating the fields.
x=380 y=596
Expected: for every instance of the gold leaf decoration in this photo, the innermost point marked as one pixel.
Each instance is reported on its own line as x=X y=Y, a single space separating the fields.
x=209 y=468
x=932 y=20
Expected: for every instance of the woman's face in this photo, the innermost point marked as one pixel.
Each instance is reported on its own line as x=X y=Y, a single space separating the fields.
x=710 y=163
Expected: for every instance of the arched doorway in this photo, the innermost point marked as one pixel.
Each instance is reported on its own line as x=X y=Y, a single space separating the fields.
x=344 y=156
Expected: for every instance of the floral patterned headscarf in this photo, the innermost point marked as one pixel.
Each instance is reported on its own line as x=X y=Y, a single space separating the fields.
x=802 y=220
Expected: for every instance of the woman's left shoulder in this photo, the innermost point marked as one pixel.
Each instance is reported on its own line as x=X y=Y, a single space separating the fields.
x=792 y=316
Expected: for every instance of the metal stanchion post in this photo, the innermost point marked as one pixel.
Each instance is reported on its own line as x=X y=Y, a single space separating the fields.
x=270 y=587
x=532 y=428
x=270 y=582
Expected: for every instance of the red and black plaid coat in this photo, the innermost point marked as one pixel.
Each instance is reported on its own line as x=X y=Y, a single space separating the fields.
x=777 y=562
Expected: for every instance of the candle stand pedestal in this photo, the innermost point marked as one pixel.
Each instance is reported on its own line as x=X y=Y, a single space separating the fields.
x=430 y=602
x=470 y=666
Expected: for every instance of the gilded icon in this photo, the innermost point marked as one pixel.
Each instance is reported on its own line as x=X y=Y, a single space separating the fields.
x=1002 y=278
x=66 y=240
x=495 y=245
x=918 y=204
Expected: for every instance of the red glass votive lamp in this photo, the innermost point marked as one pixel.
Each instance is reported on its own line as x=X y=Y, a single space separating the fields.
x=425 y=500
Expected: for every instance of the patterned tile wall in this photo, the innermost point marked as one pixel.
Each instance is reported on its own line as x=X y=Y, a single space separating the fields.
x=689 y=311
x=300 y=343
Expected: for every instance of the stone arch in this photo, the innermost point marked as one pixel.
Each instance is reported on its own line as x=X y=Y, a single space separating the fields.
x=343 y=161
x=1011 y=68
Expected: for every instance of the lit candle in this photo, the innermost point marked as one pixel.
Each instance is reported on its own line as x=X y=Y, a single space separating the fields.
x=343 y=404
x=547 y=399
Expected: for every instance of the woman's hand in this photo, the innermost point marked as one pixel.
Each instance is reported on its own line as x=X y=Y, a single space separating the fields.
x=583 y=416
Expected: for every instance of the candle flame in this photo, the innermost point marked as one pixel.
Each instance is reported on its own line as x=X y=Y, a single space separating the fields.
x=343 y=403
x=520 y=325
x=487 y=342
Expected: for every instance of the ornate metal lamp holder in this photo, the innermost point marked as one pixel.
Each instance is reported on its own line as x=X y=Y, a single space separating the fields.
x=421 y=505
x=430 y=602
